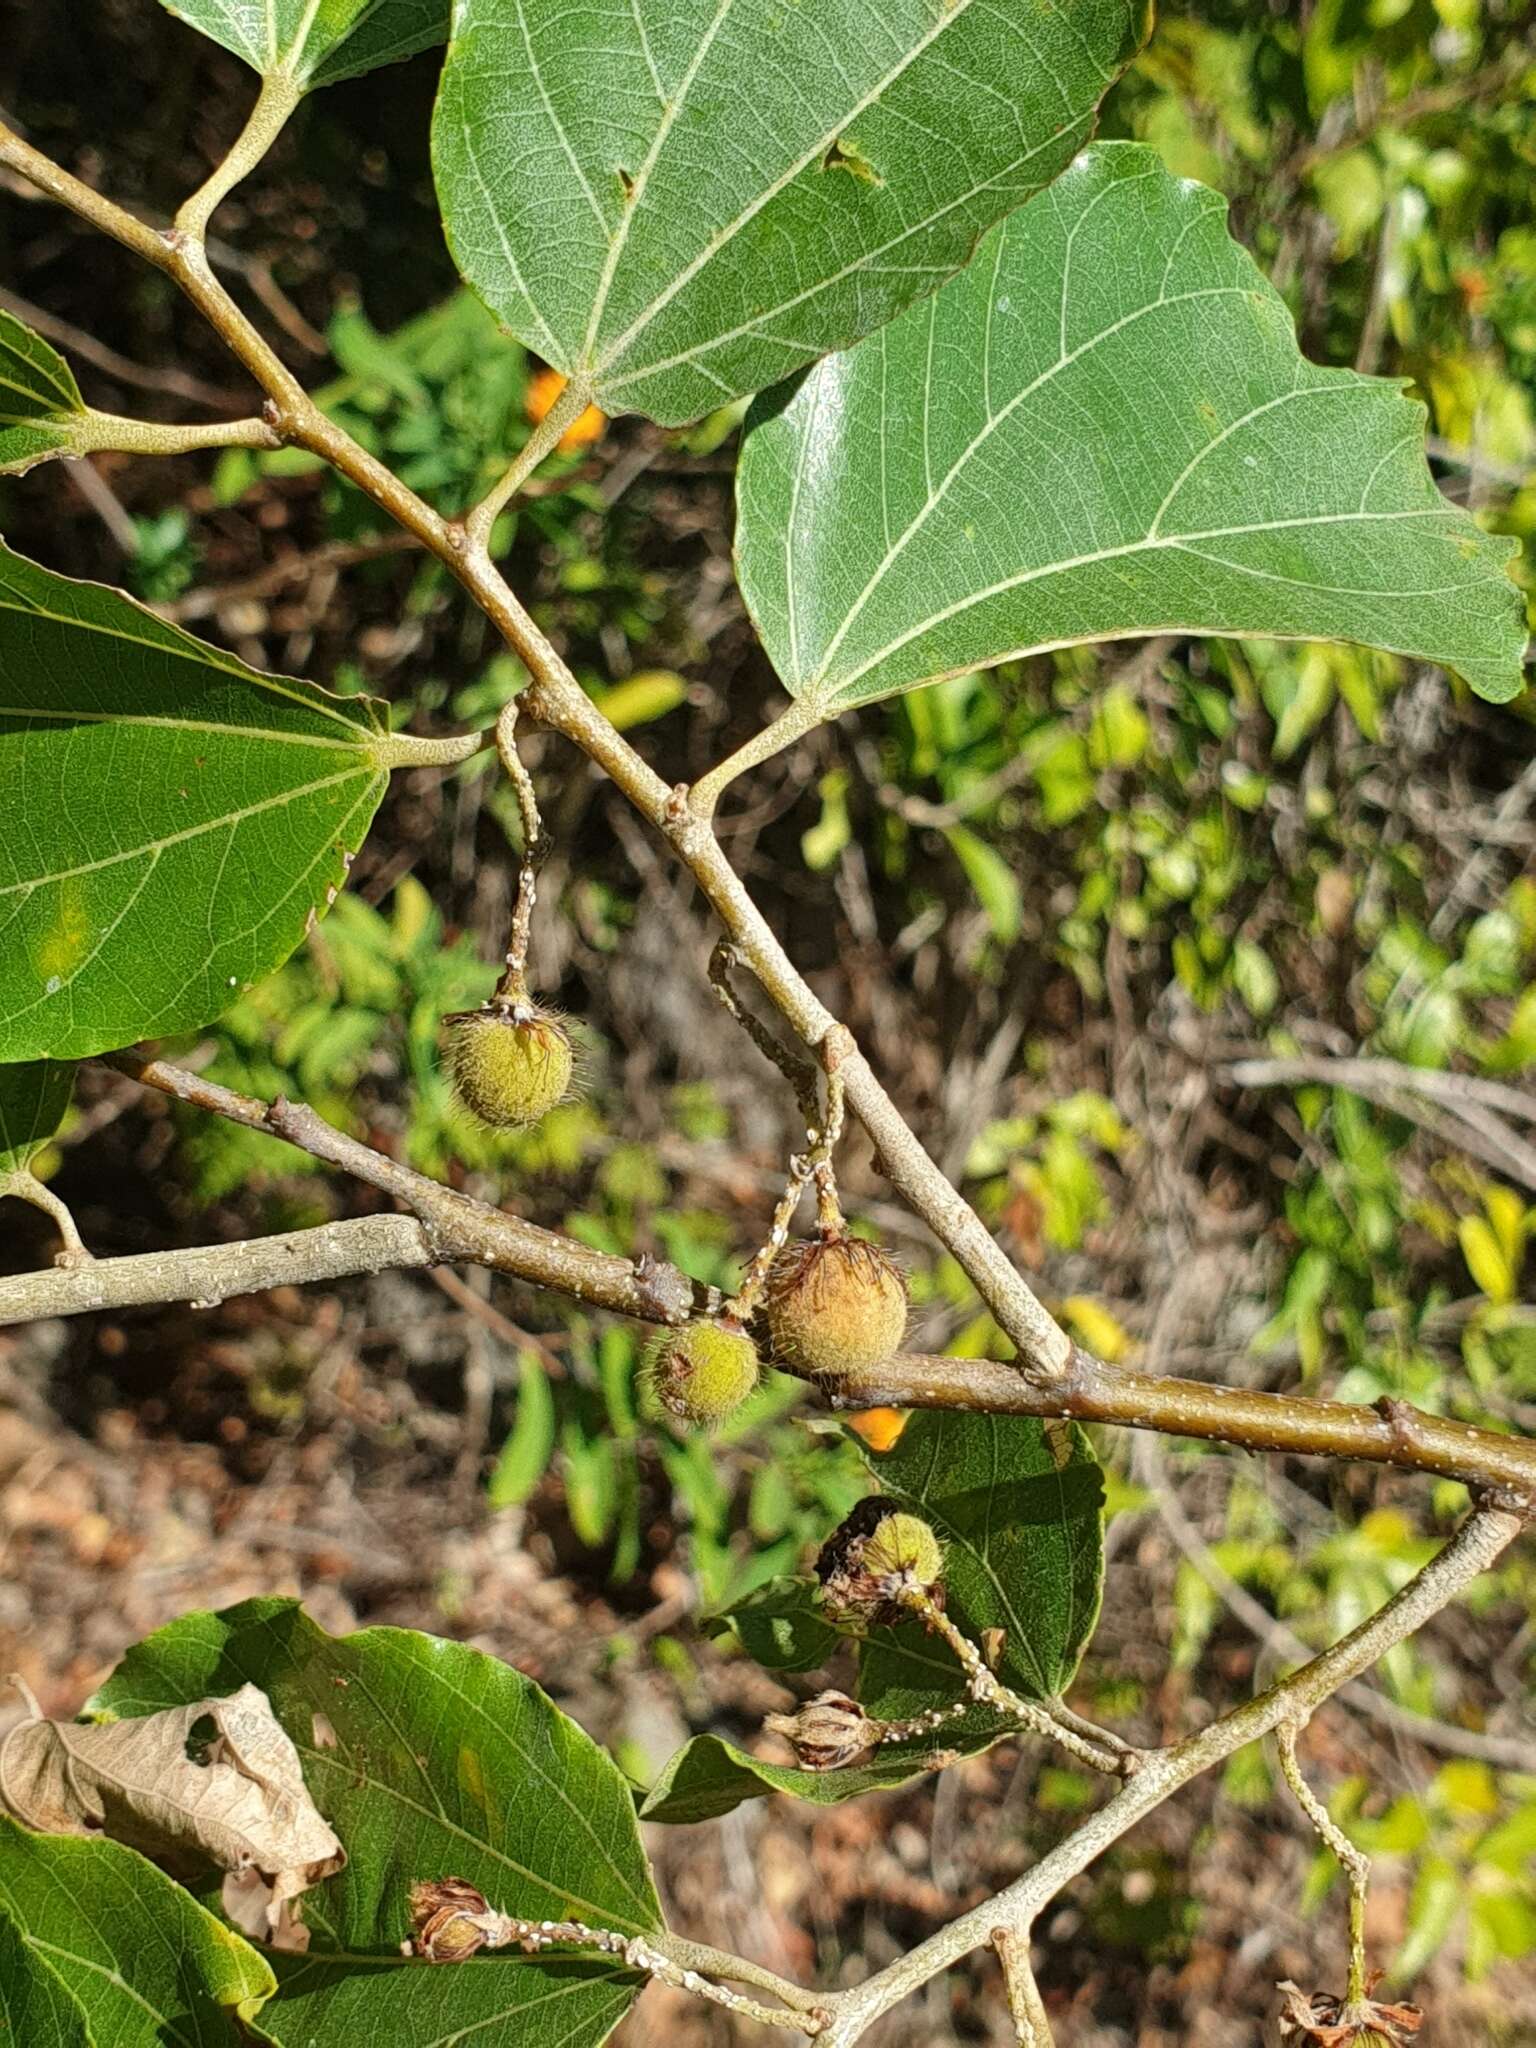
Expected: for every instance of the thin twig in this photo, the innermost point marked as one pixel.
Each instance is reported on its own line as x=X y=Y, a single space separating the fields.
x=1355 y=1864
x=1031 y=2022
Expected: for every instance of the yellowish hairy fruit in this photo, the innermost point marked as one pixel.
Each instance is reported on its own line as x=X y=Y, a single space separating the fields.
x=836 y=1306
x=902 y=1544
x=509 y=1067
x=701 y=1373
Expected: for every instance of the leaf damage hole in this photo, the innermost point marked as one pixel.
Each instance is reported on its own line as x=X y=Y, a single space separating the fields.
x=845 y=156
x=626 y=184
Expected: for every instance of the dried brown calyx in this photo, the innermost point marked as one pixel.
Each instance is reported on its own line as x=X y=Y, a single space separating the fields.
x=1318 y=2019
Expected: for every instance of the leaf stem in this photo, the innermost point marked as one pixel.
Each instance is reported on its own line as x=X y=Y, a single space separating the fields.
x=279 y=95
x=545 y=438
x=26 y=1187
x=801 y=717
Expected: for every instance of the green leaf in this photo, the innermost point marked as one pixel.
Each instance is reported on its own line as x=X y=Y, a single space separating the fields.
x=530 y=1443
x=1102 y=428
x=678 y=201
x=39 y=399
x=174 y=818
x=34 y=2006
x=709 y=1777
x=429 y=1760
x=145 y=1965
x=316 y=42
x=782 y=1626
x=1018 y=1506
x=33 y=1100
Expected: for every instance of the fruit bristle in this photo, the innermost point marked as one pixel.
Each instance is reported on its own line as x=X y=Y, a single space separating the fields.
x=903 y=1546
x=836 y=1306
x=700 y=1373
x=509 y=1066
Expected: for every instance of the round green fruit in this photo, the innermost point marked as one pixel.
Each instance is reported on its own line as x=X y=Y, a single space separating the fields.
x=509 y=1066
x=903 y=1546
x=699 y=1374
x=836 y=1306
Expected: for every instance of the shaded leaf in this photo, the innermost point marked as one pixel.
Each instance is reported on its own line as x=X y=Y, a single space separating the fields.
x=39 y=398
x=430 y=1760
x=231 y=1795
x=737 y=188
x=145 y=1964
x=34 y=1099
x=174 y=817
x=709 y=1777
x=316 y=42
x=1018 y=1506
x=1102 y=428
x=782 y=1626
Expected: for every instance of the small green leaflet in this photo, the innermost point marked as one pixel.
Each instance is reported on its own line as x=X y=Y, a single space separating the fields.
x=174 y=818
x=680 y=201
x=316 y=42
x=34 y=1098
x=430 y=1760
x=1018 y=1506
x=1102 y=428
x=40 y=401
x=138 y=1959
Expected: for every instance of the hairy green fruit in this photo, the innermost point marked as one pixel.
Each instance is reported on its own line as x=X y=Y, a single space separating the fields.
x=699 y=1374
x=836 y=1306
x=509 y=1066
x=903 y=1546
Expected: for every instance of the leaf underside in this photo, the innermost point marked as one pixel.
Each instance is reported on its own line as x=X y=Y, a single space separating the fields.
x=317 y=44
x=429 y=1760
x=174 y=818
x=39 y=398
x=1102 y=428
x=34 y=1098
x=1018 y=1507
x=740 y=185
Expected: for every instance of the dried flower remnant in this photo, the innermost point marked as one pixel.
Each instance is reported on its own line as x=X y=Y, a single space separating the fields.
x=1318 y=2019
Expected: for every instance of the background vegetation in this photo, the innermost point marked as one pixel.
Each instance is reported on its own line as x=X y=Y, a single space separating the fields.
x=1065 y=911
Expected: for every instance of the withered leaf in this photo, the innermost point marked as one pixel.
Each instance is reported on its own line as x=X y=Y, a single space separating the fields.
x=236 y=1800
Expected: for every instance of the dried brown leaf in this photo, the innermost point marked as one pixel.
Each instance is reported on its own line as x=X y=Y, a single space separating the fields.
x=237 y=1801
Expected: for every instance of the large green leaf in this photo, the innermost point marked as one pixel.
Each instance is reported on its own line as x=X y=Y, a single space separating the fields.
x=429 y=1760
x=145 y=1965
x=681 y=200
x=173 y=821
x=1018 y=1506
x=33 y=1100
x=315 y=42
x=1103 y=427
x=40 y=402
